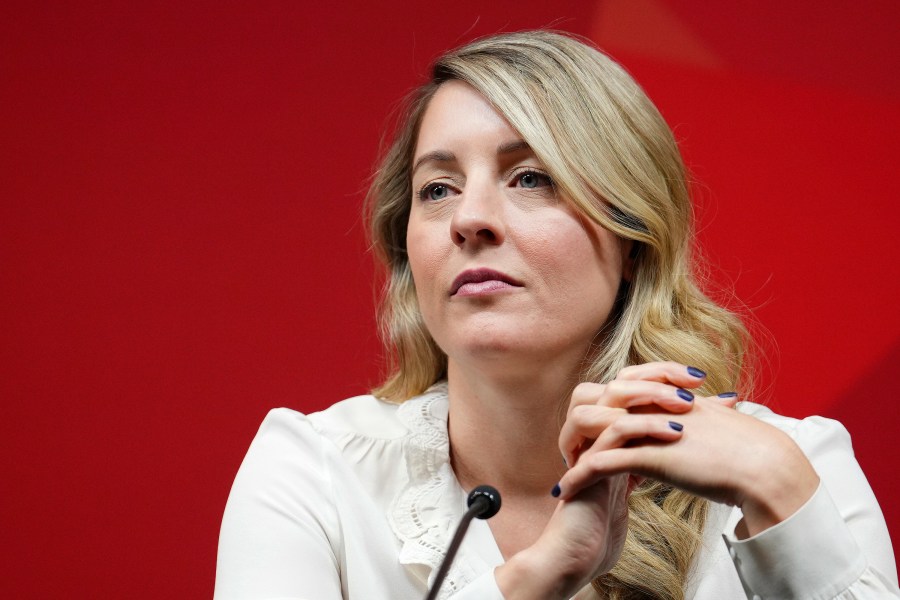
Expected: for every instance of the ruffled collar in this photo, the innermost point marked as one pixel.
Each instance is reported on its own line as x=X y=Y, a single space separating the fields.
x=425 y=514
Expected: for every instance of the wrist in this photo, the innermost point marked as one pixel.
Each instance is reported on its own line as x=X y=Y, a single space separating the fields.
x=779 y=490
x=529 y=575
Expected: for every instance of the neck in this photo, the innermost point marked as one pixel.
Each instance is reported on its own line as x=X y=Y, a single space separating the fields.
x=504 y=429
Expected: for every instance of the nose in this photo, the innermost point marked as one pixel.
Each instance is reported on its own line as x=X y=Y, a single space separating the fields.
x=478 y=216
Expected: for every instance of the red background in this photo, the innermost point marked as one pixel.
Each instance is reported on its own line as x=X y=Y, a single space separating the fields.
x=181 y=247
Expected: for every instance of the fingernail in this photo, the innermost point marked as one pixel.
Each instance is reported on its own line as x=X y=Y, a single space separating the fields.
x=728 y=395
x=685 y=395
x=676 y=426
x=695 y=372
x=555 y=492
x=565 y=462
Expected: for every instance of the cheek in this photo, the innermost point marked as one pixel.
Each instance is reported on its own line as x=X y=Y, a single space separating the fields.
x=579 y=258
x=606 y=259
x=425 y=258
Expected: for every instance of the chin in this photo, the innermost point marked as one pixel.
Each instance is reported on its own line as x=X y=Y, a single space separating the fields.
x=485 y=345
x=480 y=344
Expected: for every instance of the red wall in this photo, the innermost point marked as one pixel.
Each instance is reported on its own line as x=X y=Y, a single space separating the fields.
x=180 y=245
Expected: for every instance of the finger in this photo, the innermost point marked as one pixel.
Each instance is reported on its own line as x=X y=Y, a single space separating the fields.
x=585 y=393
x=631 y=394
x=599 y=465
x=729 y=399
x=665 y=372
x=609 y=454
x=585 y=422
x=590 y=413
x=610 y=428
x=635 y=427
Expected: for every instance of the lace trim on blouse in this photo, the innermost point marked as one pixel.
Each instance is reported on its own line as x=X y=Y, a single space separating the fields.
x=422 y=517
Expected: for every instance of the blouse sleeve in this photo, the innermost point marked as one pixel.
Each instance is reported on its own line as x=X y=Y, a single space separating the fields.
x=279 y=519
x=836 y=545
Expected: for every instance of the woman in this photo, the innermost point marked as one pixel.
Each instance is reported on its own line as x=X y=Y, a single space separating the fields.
x=535 y=222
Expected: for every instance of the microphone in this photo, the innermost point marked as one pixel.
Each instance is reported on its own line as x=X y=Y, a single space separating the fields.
x=483 y=503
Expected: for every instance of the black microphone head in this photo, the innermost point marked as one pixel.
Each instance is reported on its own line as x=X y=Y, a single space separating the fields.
x=488 y=496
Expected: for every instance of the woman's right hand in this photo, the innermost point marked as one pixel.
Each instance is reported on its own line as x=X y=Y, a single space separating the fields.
x=586 y=533
x=583 y=539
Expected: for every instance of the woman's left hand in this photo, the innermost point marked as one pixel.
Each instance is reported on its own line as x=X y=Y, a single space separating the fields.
x=720 y=454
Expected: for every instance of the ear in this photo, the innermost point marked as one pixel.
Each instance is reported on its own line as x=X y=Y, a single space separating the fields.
x=630 y=250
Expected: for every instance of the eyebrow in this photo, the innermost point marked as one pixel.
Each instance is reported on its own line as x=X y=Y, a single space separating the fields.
x=444 y=156
x=441 y=156
x=512 y=147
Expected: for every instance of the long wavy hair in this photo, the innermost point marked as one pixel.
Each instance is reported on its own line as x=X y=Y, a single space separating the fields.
x=610 y=154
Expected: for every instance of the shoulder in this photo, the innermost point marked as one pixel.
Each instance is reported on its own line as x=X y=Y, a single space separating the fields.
x=289 y=440
x=372 y=418
x=363 y=416
x=361 y=438
x=360 y=428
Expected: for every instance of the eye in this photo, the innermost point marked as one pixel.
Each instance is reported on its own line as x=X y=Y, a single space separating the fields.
x=434 y=192
x=533 y=179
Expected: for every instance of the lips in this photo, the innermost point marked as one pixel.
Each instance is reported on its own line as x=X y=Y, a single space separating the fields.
x=477 y=281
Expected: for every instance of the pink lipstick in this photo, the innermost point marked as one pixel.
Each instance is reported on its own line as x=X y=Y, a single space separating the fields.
x=475 y=282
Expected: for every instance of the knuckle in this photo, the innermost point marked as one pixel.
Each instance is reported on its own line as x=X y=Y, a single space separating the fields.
x=628 y=372
x=618 y=427
x=616 y=386
x=580 y=414
x=586 y=391
x=596 y=461
x=653 y=422
x=660 y=389
x=580 y=389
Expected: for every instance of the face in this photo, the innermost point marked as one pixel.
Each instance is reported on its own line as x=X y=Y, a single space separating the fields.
x=505 y=269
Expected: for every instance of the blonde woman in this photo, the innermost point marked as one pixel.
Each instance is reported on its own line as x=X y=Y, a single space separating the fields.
x=534 y=220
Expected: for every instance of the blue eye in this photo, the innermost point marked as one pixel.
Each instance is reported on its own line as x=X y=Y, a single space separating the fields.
x=434 y=191
x=533 y=179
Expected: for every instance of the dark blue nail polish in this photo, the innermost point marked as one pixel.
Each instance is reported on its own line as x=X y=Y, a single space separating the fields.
x=685 y=395
x=728 y=395
x=555 y=492
x=695 y=372
x=676 y=426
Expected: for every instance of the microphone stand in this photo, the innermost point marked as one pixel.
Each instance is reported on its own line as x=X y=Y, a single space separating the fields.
x=483 y=502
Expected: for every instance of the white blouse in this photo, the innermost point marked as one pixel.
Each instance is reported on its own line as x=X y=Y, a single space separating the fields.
x=359 y=501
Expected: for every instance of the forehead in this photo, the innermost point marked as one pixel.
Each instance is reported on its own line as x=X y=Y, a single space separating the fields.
x=458 y=115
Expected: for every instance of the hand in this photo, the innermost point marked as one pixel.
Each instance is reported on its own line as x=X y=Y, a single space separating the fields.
x=585 y=536
x=583 y=540
x=719 y=453
x=636 y=390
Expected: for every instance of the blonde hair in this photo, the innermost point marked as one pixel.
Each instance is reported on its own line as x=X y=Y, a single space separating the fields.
x=611 y=154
